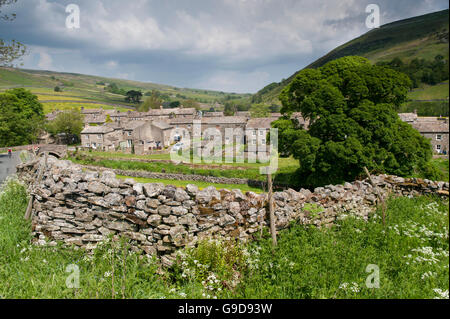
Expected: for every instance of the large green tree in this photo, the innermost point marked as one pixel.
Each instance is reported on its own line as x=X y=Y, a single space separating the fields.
x=152 y=101
x=21 y=117
x=351 y=106
x=70 y=123
x=133 y=96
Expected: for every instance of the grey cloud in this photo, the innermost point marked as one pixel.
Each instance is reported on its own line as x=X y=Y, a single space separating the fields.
x=236 y=45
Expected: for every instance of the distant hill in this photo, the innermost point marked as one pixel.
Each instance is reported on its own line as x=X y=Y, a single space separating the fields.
x=80 y=87
x=419 y=37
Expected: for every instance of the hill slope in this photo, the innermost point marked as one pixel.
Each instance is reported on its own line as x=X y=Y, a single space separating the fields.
x=79 y=87
x=419 y=37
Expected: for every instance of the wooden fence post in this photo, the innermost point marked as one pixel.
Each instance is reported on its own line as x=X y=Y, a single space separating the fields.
x=273 y=230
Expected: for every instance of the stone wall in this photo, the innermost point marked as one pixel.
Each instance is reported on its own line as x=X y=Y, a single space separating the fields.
x=83 y=207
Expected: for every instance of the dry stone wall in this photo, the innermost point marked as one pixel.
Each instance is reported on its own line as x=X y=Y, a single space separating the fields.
x=82 y=207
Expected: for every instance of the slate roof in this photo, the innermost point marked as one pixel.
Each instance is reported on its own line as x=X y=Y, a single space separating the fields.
x=276 y=115
x=213 y=114
x=431 y=127
x=161 y=125
x=167 y=112
x=245 y=114
x=260 y=123
x=91 y=111
x=53 y=115
x=97 y=130
x=408 y=117
x=95 y=118
x=131 y=126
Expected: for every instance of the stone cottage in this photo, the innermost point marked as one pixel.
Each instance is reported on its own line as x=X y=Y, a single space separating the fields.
x=96 y=137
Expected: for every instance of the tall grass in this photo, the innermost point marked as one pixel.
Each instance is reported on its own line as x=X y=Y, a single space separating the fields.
x=412 y=253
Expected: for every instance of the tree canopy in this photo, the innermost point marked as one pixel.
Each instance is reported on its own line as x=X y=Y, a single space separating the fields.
x=21 y=117
x=70 y=123
x=133 y=96
x=152 y=101
x=260 y=110
x=420 y=70
x=351 y=106
x=14 y=50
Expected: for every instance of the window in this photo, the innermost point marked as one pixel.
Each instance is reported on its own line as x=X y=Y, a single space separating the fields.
x=129 y=133
x=439 y=137
x=261 y=132
x=263 y=142
x=254 y=141
x=99 y=136
x=254 y=133
x=438 y=148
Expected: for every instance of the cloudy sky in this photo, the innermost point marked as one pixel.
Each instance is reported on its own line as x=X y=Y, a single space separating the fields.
x=226 y=45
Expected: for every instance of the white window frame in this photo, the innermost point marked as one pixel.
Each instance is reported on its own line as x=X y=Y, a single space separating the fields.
x=439 y=137
x=438 y=148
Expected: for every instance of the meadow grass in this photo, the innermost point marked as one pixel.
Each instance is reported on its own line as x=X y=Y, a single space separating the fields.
x=411 y=253
x=282 y=162
x=199 y=184
x=53 y=106
x=440 y=167
x=61 y=98
x=284 y=173
x=430 y=92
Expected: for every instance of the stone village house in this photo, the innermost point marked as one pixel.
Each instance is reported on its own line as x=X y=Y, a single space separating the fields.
x=153 y=129
x=436 y=129
x=100 y=137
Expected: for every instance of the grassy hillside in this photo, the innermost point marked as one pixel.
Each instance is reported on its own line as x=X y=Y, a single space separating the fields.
x=86 y=88
x=421 y=37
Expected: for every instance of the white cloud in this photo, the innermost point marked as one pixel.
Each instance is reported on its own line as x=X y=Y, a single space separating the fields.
x=45 y=61
x=226 y=81
x=111 y=64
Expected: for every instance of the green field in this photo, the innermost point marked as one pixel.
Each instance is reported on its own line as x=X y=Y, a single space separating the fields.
x=86 y=87
x=200 y=185
x=282 y=162
x=439 y=164
x=428 y=92
x=50 y=107
x=285 y=174
x=411 y=253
